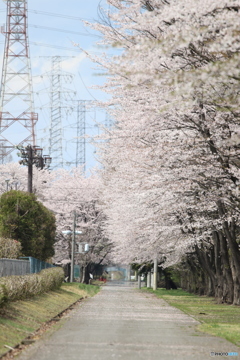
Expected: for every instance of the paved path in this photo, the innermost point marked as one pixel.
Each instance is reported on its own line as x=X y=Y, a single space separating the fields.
x=124 y=323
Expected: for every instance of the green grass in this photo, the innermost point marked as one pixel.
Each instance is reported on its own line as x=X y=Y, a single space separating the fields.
x=216 y=319
x=98 y=282
x=90 y=289
x=20 y=319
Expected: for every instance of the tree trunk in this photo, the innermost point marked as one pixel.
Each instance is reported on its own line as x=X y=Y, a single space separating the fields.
x=196 y=279
x=226 y=269
x=218 y=267
x=229 y=231
x=83 y=274
x=208 y=268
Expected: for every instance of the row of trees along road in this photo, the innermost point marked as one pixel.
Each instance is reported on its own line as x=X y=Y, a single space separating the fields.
x=28 y=218
x=171 y=162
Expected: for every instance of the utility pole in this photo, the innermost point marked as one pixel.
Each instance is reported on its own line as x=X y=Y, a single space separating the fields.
x=73 y=247
x=30 y=168
x=32 y=155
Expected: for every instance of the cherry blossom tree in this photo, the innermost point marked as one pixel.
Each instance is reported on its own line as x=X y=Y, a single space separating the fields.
x=65 y=192
x=171 y=163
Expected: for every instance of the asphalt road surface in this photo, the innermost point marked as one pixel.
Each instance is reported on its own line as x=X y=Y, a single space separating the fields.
x=124 y=323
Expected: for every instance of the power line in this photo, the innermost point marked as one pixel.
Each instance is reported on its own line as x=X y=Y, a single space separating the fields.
x=61 y=47
x=55 y=46
x=57 y=15
x=86 y=87
x=54 y=14
x=62 y=30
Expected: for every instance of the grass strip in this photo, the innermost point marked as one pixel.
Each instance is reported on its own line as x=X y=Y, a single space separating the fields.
x=91 y=290
x=21 y=319
x=216 y=319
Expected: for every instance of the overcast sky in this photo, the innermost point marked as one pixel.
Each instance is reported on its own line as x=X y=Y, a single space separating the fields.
x=53 y=28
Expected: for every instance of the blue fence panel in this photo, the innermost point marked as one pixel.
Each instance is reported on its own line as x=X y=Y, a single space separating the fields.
x=37 y=265
x=77 y=271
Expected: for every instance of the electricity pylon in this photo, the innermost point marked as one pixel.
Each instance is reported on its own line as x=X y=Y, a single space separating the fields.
x=61 y=103
x=17 y=115
x=81 y=132
x=108 y=123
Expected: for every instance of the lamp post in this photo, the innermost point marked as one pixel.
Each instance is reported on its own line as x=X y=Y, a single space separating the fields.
x=32 y=155
x=72 y=232
x=16 y=183
x=7 y=182
x=9 y=185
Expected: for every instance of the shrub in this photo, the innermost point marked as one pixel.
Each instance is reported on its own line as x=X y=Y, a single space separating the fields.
x=21 y=287
x=54 y=281
x=3 y=295
x=9 y=248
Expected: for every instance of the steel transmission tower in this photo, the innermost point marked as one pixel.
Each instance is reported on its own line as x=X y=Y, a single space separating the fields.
x=81 y=131
x=16 y=96
x=60 y=102
x=55 y=132
x=108 y=121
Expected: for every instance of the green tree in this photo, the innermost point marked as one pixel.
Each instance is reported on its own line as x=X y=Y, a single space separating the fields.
x=26 y=220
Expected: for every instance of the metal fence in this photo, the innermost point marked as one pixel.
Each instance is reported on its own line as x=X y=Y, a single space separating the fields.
x=14 y=267
x=24 y=266
x=38 y=265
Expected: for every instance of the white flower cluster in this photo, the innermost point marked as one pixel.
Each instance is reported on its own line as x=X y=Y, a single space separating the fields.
x=174 y=152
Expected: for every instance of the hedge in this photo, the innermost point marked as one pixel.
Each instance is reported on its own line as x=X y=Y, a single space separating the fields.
x=9 y=248
x=21 y=287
